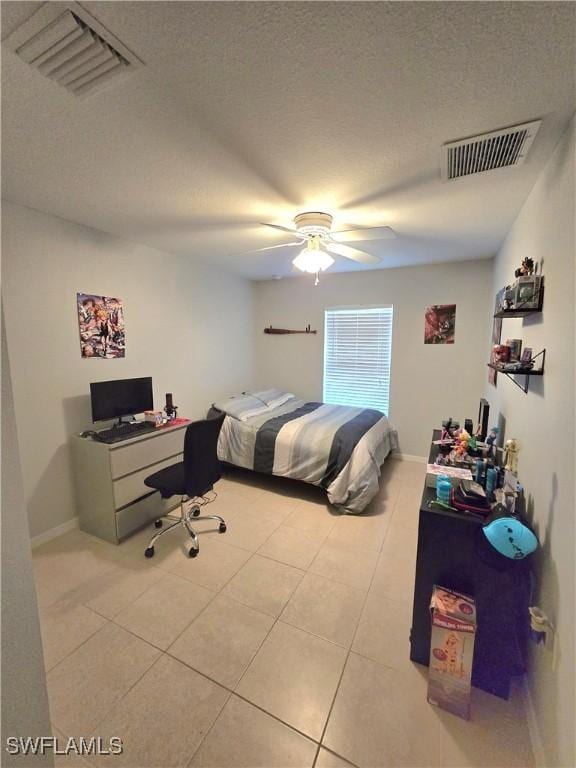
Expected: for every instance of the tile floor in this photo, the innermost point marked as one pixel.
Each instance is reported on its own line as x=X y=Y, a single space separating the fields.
x=284 y=643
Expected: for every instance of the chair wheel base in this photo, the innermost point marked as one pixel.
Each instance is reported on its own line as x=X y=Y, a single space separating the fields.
x=222 y=528
x=192 y=552
x=196 y=512
x=149 y=552
x=158 y=524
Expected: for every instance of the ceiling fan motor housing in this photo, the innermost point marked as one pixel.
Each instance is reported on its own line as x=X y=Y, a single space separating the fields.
x=313 y=223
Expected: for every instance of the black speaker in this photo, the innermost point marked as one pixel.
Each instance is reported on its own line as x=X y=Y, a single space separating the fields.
x=483 y=414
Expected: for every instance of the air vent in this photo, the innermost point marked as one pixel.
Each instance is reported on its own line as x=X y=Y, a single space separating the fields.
x=64 y=43
x=488 y=152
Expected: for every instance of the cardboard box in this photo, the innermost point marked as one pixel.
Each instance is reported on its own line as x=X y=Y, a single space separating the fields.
x=454 y=473
x=154 y=416
x=451 y=651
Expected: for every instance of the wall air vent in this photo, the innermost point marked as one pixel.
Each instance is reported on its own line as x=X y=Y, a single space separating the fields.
x=63 y=42
x=488 y=151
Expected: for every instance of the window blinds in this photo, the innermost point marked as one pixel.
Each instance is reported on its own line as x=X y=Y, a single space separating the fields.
x=357 y=350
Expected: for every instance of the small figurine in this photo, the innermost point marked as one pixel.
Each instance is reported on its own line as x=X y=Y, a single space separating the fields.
x=461 y=447
x=511 y=455
x=491 y=439
x=509 y=297
x=448 y=429
x=526 y=268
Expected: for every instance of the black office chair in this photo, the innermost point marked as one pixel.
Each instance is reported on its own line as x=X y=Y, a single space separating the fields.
x=192 y=479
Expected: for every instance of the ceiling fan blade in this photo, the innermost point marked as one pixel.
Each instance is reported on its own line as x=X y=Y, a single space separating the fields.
x=284 y=229
x=352 y=253
x=271 y=248
x=363 y=233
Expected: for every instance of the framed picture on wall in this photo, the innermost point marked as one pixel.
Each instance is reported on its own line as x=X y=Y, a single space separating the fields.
x=440 y=324
x=101 y=325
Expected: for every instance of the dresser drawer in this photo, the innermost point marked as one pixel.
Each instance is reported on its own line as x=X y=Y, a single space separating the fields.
x=137 y=515
x=146 y=452
x=132 y=487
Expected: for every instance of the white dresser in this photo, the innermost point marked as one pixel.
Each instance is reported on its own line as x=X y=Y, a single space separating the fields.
x=111 y=496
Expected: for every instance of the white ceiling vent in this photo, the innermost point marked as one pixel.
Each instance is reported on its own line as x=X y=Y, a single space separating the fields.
x=65 y=43
x=488 y=151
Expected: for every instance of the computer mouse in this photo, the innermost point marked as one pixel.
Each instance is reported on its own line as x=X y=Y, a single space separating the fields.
x=87 y=433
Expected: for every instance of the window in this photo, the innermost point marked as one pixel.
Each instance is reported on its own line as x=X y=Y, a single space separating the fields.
x=357 y=350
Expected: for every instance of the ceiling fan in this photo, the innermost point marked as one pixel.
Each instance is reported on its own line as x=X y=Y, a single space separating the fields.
x=313 y=230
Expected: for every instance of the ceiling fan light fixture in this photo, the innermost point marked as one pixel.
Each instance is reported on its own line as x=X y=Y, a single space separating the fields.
x=313 y=260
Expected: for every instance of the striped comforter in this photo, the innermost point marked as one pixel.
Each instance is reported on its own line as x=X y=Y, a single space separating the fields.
x=337 y=447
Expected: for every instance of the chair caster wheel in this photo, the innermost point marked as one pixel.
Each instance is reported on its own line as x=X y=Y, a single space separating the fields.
x=158 y=524
x=149 y=552
x=222 y=528
x=192 y=552
x=196 y=512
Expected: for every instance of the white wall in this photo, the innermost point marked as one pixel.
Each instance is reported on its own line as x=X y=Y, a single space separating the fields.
x=543 y=422
x=24 y=706
x=428 y=382
x=187 y=326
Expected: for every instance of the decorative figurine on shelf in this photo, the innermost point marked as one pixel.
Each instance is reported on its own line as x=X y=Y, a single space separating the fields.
x=491 y=439
x=511 y=456
x=461 y=446
x=509 y=296
x=526 y=268
x=449 y=427
x=170 y=409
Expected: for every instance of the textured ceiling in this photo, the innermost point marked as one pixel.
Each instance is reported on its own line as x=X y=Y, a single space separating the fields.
x=249 y=112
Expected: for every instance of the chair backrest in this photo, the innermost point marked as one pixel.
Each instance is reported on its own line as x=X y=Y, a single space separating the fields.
x=201 y=465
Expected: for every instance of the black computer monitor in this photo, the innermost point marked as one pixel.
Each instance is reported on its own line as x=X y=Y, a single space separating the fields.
x=121 y=397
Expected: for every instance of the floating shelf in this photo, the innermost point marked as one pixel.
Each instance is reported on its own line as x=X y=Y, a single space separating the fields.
x=517 y=312
x=526 y=373
x=282 y=331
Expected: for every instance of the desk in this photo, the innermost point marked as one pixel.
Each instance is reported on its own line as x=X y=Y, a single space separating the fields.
x=447 y=556
x=112 y=499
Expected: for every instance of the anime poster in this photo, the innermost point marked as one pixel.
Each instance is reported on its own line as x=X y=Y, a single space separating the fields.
x=101 y=321
x=440 y=324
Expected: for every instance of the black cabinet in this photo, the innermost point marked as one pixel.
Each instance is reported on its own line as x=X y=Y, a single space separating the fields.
x=447 y=556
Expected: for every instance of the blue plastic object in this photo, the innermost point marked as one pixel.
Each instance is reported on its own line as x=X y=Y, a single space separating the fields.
x=478 y=474
x=510 y=537
x=443 y=488
x=491 y=477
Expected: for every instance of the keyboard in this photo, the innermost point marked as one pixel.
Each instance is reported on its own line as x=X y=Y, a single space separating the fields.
x=123 y=432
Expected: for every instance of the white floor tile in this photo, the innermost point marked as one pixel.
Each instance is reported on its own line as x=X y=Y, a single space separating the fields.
x=294 y=677
x=245 y=737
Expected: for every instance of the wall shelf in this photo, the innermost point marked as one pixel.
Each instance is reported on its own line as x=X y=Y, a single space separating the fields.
x=283 y=331
x=517 y=312
x=527 y=373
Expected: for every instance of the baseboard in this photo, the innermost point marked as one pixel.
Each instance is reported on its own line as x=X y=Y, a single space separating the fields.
x=533 y=727
x=409 y=457
x=42 y=538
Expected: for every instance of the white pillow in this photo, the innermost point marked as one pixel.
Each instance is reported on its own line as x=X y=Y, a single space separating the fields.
x=273 y=397
x=242 y=407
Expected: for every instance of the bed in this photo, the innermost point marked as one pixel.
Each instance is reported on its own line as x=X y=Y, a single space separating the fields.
x=339 y=448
